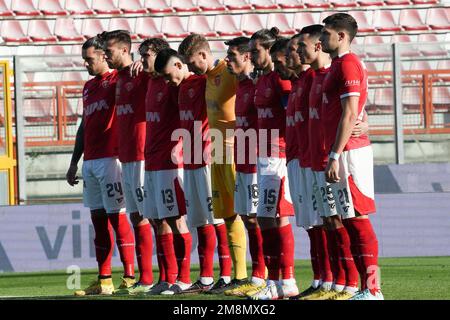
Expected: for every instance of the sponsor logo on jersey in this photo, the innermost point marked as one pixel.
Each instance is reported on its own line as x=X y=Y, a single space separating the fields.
x=351 y=83
x=264 y=113
x=241 y=122
x=313 y=113
x=186 y=115
x=152 y=117
x=124 y=109
x=290 y=121
x=105 y=84
x=298 y=116
x=96 y=106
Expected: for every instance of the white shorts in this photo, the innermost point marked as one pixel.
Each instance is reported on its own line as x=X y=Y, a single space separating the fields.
x=133 y=185
x=323 y=196
x=246 y=194
x=301 y=187
x=355 y=190
x=102 y=185
x=164 y=195
x=197 y=190
x=273 y=185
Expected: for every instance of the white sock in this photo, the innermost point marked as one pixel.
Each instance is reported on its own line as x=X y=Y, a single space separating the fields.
x=227 y=279
x=327 y=286
x=288 y=282
x=351 y=289
x=183 y=285
x=338 y=287
x=315 y=283
x=206 y=280
x=257 y=281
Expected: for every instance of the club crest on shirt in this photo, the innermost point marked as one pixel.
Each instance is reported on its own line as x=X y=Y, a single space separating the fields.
x=268 y=92
x=191 y=93
x=217 y=80
x=159 y=96
x=129 y=86
x=105 y=84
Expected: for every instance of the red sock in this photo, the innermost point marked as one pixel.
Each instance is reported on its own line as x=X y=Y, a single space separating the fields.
x=322 y=254
x=206 y=246
x=160 y=257
x=125 y=242
x=144 y=252
x=104 y=243
x=183 y=245
x=168 y=255
x=287 y=251
x=345 y=256
x=355 y=252
x=223 y=250
x=313 y=252
x=365 y=241
x=272 y=248
x=336 y=265
x=255 y=241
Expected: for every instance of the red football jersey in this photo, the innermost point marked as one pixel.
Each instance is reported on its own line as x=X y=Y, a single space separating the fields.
x=194 y=118
x=161 y=108
x=100 y=125
x=347 y=77
x=319 y=156
x=301 y=117
x=130 y=106
x=292 y=151
x=269 y=93
x=246 y=119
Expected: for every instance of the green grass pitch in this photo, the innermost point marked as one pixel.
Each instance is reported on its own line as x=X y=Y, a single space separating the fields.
x=402 y=278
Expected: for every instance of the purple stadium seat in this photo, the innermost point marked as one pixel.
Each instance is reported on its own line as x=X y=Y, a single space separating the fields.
x=51 y=8
x=91 y=27
x=316 y=4
x=280 y=20
x=4 y=10
x=376 y=51
x=364 y=20
x=396 y=2
x=211 y=5
x=199 y=24
x=383 y=20
x=290 y=4
x=303 y=19
x=226 y=26
x=12 y=31
x=184 y=6
x=237 y=5
x=410 y=20
x=438 y=18
x=24 y=8
x=122 y=24
x=78 y=7
x=157 y=6
x=250 y=23
x=440 y=97
x=431 y=49
x=39 y=31
x=65 y=30
x=105 y=7
x=147 y=27
x=173 y=27
x=263 y=4
x=131 y=6
x=371 y=3
x=344 y=3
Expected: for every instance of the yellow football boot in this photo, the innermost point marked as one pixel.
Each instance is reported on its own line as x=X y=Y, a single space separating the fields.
x=97 y=287
x=125 y=286
x=343 y=295
x=320 y=294
x=243 y=290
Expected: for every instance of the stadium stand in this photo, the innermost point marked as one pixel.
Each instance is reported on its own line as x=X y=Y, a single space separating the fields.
x=39 y=31
x=12 y=31
x=91 y=27
x=173 y=27
x=211 y=5
x=250 y=23
x=51 y=8
x=105 y=7
x=227 y=26
x=184 y=6
x=237 y=5
x=157 y=6
x=65 y=30
x=147 y=27
x=290 y=4
x=123 y=24
x=24 y=8
x=201 y=25
x=282 y=21
x=131 y=6
x=78 y=7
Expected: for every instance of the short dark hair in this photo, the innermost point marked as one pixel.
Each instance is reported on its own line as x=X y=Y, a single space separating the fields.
x=266 y=37
x=154 y=44
x=163 y=58
x=95 y=42
x=242 y=44
x=342 y=21
x=314 y=30
x=121 y=36
x=192 y=43
x=279 y=45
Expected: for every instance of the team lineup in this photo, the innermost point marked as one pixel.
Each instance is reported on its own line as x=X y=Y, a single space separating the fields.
x=230 y=148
